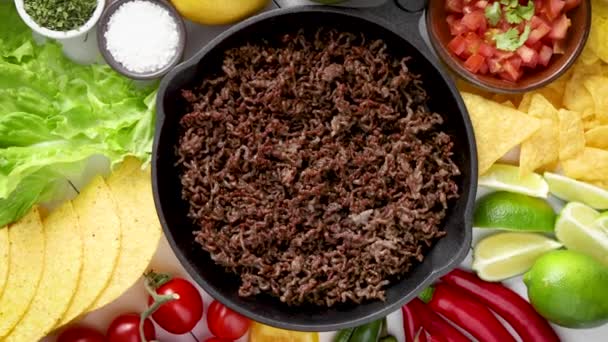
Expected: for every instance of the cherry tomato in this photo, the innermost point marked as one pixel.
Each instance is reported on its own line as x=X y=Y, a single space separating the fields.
x=217 y=339
x=181 y=315
x=125 y=328
x=225 y=323
x=81 y=334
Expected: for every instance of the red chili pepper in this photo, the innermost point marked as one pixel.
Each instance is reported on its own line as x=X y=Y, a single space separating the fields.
x=435 y=338
x=421 y=336
x=435 y=324
x=411 y=325
x=528 y=324
x=469 y=314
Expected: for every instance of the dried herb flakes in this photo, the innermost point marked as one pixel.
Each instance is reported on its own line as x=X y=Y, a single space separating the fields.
x=60 y=15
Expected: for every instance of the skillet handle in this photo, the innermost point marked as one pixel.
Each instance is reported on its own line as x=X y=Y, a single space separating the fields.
x=411 y=6
x=406 y=17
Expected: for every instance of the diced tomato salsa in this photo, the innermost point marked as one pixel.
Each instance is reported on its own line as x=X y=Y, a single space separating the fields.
x=506 y=38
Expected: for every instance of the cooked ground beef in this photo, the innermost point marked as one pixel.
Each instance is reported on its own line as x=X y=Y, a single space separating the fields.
x=314 y=169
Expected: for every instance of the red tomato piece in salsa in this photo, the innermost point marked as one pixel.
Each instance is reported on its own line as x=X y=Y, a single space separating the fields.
x=507 y=38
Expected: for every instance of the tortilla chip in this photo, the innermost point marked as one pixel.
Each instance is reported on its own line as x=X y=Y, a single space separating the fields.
x=466 y=87
x=26 y=238
x=571 y=134
x=599 y=30
x=597 y=137
x=554 y=95
x=63 y=261
x=588 y=56
x=542 y=148
x=591 y=165
x=587 y=116
x=497 y=128
x=513 y=98
x=553 y=92
x=577 y=98
x=132 y=190
x=600 y=8
x=508 y=104
x=541 y=108
x=590 y=122
x=4 y=257
x=598 y=88
x=96 y=212
x=524 y=105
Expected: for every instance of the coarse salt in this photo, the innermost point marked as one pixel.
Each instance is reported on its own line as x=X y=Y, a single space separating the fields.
x=142 y=36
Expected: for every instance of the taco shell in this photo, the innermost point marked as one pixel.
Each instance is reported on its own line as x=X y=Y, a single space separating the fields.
x=4 y=257
x=27 y=239
x=63 y=256
x=96 y=212
x=132 y=190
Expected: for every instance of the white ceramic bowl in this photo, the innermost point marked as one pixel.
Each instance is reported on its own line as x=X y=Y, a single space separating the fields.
x=61 y=35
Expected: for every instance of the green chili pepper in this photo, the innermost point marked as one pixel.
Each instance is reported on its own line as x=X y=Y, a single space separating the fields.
x=344 y=335
x=388 y=339
x=367 y=333
x=384 y=331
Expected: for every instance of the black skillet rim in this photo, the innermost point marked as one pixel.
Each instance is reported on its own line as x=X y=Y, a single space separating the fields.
x=437 y=270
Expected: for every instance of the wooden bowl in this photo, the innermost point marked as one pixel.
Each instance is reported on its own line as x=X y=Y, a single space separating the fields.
x=440 y=36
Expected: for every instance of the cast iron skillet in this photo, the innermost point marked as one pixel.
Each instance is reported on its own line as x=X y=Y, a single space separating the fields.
x=445 y=255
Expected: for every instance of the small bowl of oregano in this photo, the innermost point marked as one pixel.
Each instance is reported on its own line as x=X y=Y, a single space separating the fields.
x=60 y=19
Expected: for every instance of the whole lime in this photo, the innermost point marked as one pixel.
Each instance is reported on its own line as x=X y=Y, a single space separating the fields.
x=512 y=211
x=569 y=289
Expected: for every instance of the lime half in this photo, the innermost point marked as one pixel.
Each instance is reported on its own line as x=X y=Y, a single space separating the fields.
x=505 y=255
x=571 y=190
x=575 y=228
x=511 y=211
x=506 y=177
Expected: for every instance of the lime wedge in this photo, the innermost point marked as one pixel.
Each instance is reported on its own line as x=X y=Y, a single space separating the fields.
x=575 y=228
x=506 y=177
x=505 y=255
x=516 y=212
x=571 y=190
x=602 y=222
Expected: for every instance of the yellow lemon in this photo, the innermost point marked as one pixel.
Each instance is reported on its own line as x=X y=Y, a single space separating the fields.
x=214 y=12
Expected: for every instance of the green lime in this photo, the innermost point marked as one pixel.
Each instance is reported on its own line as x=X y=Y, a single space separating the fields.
x=505 y=255
x=511 y=211
x=576 y=230
x=571 y=190
x=506 y=178
x=569 y=289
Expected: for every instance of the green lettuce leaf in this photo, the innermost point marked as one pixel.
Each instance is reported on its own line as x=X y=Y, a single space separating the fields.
x=41 y=186
x=55 y=114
